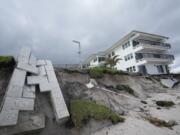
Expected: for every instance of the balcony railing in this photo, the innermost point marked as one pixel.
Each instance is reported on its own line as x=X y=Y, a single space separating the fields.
x=143 y=41
x=140 y=56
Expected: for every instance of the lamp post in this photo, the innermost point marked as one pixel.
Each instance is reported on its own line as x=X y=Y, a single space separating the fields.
x=79 y=52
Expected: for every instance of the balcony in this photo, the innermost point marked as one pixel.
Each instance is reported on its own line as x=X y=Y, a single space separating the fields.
x=142 y=44
x=151 y=57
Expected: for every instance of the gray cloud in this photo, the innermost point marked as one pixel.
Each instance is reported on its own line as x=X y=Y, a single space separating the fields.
x=50 y=26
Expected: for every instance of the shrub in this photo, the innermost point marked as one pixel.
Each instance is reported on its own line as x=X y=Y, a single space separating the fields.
x=6 y=59
x=125 y=88
x=165 y=103
x=97 y=72
x=82 y=110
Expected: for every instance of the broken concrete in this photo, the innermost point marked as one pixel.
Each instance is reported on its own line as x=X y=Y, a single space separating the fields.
x=21 y=96
x=169 y=82
x=27 y=124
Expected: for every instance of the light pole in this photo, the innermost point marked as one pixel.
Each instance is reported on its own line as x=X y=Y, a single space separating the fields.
x=79 y=52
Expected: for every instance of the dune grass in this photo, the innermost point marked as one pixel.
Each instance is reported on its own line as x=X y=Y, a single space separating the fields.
x=5 y=59
x=82 y=110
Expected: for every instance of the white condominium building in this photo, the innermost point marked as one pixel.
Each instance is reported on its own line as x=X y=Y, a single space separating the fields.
x=139 y=52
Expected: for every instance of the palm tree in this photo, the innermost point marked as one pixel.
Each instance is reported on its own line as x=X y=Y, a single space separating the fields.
x=112 y=61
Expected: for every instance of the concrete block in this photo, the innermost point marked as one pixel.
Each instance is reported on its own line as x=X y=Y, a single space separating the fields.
x=18 y=77
x=29 y=92
x=49 y=67
x=24 y=55
x=32 y=60
x=45 y=87
x=33 y=80
x=27 y=124
x=41 y=63
x=169 y=82
x=28 y=68
x=42 y=71
x=8 y=117
x=24 y=104
x=51 y=76
x=59 y=105
x=14 y=91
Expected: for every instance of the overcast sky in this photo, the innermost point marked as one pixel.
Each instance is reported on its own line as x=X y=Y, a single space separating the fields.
x=49 y=26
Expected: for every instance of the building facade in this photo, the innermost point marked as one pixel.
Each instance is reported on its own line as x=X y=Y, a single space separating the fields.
x=139 y=52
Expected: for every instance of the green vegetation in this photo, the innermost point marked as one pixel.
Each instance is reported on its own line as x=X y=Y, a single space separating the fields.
x=6 y=59
x=82 y=110
x=165 y=103
x=125 y=88
x=160 y=123
x=98 y=72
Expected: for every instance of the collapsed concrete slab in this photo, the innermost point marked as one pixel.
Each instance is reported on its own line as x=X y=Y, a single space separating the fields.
x=20 y=95
x=49 y=83
x=8 y=117
x=27 y=124
x=169 y=82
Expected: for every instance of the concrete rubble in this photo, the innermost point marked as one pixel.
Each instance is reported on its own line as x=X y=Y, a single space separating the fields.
x=20 y=95
x=169 y=82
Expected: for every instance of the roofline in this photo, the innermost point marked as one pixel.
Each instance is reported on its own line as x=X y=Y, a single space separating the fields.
x=131 y=34
x=136 y=31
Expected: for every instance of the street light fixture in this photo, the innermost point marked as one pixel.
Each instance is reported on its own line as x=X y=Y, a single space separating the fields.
x=79 y=51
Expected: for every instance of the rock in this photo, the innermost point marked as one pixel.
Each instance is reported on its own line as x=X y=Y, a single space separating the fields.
x=144 y=102
x=91 y=83
x=172 y=123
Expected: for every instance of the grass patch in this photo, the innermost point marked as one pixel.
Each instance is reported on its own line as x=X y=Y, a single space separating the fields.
x=6 y=59
x=82 y=110
x=125 y=88
x=160 y=123
x=97 y=72
x=165 y=103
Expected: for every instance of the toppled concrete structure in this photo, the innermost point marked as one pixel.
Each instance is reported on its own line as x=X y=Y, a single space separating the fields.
x=169 y=83
x=20 y=94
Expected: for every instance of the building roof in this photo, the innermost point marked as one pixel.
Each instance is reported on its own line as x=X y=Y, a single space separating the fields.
x=131 y=34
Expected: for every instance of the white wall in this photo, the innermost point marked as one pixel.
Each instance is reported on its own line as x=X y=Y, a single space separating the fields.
x=123 y=65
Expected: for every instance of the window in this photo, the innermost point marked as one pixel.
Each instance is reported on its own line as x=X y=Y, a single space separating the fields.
x=95 y=59
x=131 y=69
x=128 y=57
x=126 y=45
x=125 y=58
x=112 y=54
x=134 y=68
x=109 y=55
x=101 y=59
x=135 y=43
x=131 y=55
x=160 y=69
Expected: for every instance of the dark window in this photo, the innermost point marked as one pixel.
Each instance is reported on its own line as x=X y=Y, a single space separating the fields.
x=135 y=43
x=134 y=68
x=113 y=53
x=160 y=69
x=95 y=59
x=101 y=59
x=131 y=55
x=125 y=58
